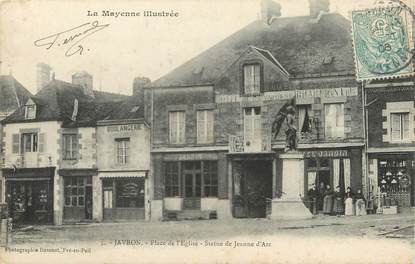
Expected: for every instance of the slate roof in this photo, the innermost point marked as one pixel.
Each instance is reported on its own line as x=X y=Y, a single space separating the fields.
x=12 y=94
x=55 y=101
x=299 y=44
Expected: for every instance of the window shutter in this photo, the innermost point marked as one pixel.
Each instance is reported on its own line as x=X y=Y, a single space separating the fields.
x=201 y=126
x=396 y=123
x=41 y=142
x=405 y=126
x=209 y=126
x=257 y=79
x=16 y=143
x=246 y=79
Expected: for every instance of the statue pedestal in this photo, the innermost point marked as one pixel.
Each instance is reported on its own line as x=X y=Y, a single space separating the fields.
x=290 y=205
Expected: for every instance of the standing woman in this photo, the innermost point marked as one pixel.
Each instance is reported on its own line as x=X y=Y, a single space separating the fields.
x=360 y=203
x=328 y=200
x=338 y=202
x=349 y=209
x=320 y=198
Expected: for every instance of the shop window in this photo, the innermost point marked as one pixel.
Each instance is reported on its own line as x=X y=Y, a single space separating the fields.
x=400 y=126
x=252 y=128
x=210 y=177
x=122 y=147
x=304 y=120
x=30 y=142
x=171 y=180
x=252 y=79
x=129 y=193
x=177 y=127
x=70 y=146
x=334 y=120
x=204 y=126
x=74 y=191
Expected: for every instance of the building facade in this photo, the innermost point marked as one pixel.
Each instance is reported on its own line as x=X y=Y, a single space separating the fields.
x=123 y=142
x=50 y=170
x=391 y=141
x=213 y=150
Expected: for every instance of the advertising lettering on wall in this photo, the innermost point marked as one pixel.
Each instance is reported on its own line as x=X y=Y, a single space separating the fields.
x=123 y=128
x=285 y=95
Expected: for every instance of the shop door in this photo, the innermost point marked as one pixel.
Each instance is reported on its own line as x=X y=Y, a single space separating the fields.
x=78 y=199
x=30 y=202
x=256 y=188
x=192 y=185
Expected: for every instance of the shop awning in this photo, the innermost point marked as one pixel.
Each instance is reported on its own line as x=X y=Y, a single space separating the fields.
x=77 y=172
x=122 y=174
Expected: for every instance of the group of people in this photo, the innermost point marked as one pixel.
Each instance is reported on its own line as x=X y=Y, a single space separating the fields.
x=336 y=202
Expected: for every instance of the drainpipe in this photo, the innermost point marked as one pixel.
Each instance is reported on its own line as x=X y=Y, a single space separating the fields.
x=365 y=131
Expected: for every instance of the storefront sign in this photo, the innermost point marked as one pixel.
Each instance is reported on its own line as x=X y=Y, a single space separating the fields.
x=130 y=189
x=123 y=128
x=284 y=95
x=335 y=153
x=190 y=156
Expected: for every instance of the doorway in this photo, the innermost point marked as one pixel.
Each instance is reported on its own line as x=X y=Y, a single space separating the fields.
x=192 y=178
x=252 y=188
x=78 y=199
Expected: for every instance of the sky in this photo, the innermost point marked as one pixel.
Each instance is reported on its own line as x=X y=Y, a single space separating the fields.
x=129 y=46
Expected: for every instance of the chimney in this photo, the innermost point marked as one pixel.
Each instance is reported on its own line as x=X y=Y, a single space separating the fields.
x=318 y=6
x=84 y=80
x=270 y=10
x=43 y=75
x=138 y=88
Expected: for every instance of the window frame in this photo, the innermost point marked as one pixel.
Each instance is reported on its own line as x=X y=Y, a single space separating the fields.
x=30 y=111
x=401 y=130
x=208 y=130
x=123 y=145
x=177 y=127
x=73 y=144
x=336 y=126
x=259 y=80
x=210 y=171
x=68 y=191
x=34 y=142
x=171 y=179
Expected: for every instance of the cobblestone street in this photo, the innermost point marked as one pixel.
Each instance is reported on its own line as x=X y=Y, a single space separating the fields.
x=323 y=235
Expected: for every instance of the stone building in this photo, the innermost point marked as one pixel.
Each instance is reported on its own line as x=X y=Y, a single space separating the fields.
x=50 y=143
x=13 y=95
x=123 y=160
x=390 y=108
x=213 y=154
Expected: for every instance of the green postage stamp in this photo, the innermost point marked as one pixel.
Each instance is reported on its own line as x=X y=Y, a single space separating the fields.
x=383 y=43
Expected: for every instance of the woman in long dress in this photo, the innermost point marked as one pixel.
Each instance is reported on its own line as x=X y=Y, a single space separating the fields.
x=328 y=201
x=360 y=203
x=338 y=202
x=349 y=208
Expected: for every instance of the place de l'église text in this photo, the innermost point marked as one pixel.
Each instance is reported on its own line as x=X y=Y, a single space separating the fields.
x=144 y=13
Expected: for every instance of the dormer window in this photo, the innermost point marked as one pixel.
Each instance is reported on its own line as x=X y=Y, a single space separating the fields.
x=30 y=110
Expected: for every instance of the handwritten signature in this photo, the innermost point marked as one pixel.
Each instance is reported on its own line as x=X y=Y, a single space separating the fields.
x=71 y=38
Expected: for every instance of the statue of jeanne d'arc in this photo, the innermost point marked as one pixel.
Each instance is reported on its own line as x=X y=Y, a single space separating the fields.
x=287 y=114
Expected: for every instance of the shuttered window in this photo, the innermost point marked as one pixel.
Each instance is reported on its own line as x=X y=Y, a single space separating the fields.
x=30 y=142
x=204 y=126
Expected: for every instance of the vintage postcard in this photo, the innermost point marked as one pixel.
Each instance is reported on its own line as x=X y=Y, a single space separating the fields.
x=188 y=131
